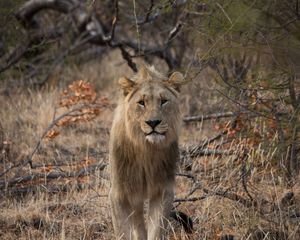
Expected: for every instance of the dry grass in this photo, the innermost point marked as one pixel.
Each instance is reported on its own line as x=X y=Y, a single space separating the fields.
x=84 y=213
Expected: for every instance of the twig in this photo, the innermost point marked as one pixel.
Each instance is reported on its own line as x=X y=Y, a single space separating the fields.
x=192 y=199
x=137 y=26
x=149 y=10
x=173 y=33
x=190 y=176
x=115 y=20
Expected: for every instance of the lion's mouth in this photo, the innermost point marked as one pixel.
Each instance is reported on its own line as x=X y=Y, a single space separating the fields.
x=155 y=133
x=155 y=137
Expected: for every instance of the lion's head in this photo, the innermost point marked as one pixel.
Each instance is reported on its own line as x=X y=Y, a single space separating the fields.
x=151 y=107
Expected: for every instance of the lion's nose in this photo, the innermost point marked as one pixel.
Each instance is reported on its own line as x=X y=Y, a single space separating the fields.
x=153 y=123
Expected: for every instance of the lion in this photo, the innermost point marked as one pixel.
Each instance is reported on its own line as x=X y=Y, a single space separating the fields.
x=143 y=154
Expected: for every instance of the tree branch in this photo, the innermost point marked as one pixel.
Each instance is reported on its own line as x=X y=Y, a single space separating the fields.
x=26 y=13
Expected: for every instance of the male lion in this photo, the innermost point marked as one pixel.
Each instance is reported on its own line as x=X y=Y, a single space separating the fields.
x=143 y=154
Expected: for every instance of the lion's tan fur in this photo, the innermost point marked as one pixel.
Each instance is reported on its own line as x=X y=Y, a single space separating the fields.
x=144 y=167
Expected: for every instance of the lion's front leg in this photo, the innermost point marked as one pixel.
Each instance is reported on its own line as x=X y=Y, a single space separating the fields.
x=138 y=221
x=128 y=218
x=160 y=206
x=120 y=210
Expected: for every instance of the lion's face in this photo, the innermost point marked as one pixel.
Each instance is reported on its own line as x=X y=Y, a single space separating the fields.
x=152 y=113
x=152 y=109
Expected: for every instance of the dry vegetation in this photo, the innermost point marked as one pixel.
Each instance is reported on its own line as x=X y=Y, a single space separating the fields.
x=239 y=170
x=76 y=207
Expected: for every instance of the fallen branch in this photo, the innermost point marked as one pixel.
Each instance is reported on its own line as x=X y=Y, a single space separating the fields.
x=210 y=116
x=52 y=175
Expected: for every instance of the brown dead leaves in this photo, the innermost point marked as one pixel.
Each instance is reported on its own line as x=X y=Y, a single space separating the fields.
x=78 y=92
x=82 y=105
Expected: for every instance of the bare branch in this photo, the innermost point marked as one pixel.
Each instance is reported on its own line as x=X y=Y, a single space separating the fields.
x=174 y=32
x=148 y=14
x=128 y=59
x=210 y=116
x=115 y=20
x=88 y=23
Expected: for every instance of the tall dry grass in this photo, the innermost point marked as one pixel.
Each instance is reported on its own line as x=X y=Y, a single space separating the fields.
x=83 y=213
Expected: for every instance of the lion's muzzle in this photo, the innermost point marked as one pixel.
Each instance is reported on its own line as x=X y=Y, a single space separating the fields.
x=154 y=131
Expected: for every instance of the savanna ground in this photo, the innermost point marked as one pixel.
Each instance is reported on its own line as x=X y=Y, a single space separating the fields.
x=77 y=207
x=238 y=172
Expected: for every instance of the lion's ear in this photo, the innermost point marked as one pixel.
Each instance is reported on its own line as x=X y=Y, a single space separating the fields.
x=176 y=80
x=126 y=84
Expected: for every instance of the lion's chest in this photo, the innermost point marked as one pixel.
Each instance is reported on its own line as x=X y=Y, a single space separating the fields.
x=142 y=171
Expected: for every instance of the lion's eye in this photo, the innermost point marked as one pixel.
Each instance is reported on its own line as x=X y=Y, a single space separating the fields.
x=163 y=102
x=141 y=103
